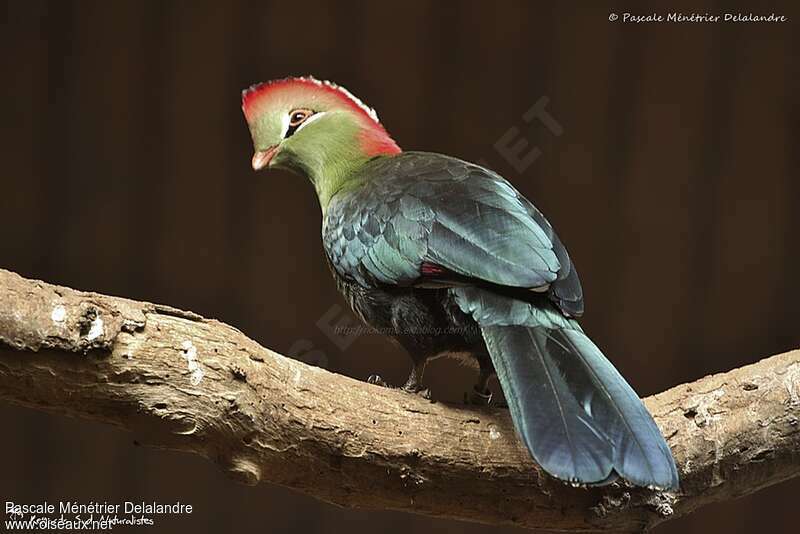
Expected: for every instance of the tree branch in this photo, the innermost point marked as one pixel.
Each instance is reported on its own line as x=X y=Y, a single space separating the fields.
x=182 y=382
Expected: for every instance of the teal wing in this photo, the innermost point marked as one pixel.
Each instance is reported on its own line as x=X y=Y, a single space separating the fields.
x=422 y=219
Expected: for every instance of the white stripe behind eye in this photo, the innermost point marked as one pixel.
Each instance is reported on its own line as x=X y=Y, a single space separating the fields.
x=309 y=120
x=285 y=126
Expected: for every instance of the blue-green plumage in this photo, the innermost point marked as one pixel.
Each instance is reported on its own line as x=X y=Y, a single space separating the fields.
x=420 y=207
x=502 y=287
x=448 y=258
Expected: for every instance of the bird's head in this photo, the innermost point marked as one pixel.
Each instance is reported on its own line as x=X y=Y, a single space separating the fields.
x=312 y=127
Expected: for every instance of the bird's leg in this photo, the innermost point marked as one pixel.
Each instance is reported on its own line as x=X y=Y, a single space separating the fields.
x=480 y=394
x=414 y=382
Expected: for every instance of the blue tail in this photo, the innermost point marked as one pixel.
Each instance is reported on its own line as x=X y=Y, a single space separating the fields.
x=577 y=416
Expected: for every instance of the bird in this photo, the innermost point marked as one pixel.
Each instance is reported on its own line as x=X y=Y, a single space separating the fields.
x=449 y=259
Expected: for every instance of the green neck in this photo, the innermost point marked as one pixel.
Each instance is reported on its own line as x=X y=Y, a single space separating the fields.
x=331 y=157
x=338 y=174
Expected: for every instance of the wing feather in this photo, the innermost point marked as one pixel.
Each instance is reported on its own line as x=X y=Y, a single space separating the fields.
x=418 y=208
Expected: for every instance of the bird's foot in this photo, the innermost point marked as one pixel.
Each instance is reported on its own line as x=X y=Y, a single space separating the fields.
x=478 y=398
x=378 y=381
x=425 y=393
x=408 y=387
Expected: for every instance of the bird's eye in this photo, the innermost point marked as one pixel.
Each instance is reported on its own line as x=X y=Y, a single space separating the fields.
x=296 y=118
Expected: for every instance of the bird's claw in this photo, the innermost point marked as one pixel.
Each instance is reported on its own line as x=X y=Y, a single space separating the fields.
x=425 y=393
x=478 y=398
x=414 y=389
x=378 y=381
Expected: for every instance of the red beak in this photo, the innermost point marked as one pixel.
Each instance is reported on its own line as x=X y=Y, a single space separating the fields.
x=262 y=158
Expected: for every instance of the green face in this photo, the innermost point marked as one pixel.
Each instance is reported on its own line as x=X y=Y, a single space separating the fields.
x=314 y=128
x=316 y=148
x=322 y=145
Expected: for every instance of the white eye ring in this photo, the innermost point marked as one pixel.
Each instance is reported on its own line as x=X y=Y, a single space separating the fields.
x=309 y=120
x=297 y=116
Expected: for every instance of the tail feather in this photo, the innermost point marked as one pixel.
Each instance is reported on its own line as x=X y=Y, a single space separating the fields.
x=577 y=416
x=641 y=454
x=548 y=417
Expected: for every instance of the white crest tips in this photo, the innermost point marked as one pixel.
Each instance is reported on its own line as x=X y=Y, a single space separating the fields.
x=254 y=90
x=368 y=110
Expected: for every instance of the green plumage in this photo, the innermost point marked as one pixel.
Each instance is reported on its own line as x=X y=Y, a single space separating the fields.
x=448 y=258
x=420 y=221
x=420 y=207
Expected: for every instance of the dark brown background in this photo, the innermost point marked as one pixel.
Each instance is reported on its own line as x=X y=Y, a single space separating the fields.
x=125 y=170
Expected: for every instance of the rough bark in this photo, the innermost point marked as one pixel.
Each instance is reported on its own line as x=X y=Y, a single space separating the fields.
x=180 y=381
